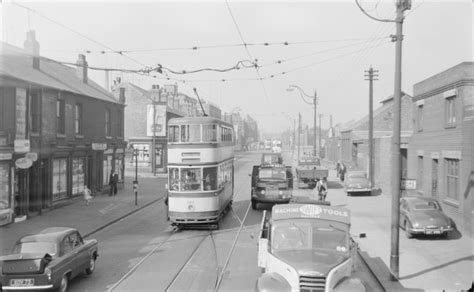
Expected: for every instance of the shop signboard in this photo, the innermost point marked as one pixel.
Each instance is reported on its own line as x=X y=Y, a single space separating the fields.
x=23 y=163
x=159 y=127
x=22 y=145
x=99 y=146
x=5 y=156
x=407 y=184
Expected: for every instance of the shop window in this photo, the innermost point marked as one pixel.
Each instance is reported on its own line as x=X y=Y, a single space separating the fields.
x=107 y=165
x=59 y=179
x=452 y=178
x=4 y=186
x=78 y=181
x=119 y=161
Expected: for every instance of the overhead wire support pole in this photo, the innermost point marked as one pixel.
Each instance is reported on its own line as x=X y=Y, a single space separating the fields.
x=371 y=73
x=401 y=6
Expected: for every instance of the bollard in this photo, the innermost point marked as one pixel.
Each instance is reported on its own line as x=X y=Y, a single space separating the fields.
x=135 y=189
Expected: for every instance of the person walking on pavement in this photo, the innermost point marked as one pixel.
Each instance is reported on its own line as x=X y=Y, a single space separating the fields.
x=113 y=183
x=321 y=188
x=87 y=195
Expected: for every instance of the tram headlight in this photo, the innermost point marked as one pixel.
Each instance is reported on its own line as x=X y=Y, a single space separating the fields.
x=262 y=192
x=190 y=207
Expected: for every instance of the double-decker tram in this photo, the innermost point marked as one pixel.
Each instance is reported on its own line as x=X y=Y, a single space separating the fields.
x=200 y=171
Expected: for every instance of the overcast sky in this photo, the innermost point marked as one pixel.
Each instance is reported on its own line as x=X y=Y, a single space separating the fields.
x=330 y=44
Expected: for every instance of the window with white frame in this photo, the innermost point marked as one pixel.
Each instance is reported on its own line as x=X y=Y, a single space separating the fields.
x=450 y=110
x=452 y=178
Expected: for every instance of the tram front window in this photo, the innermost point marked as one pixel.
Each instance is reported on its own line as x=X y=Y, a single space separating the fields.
x=191 y=133
x=209 y=133
x=173 y=134
x=191 y=179
x=173 y=179
x=210 y=178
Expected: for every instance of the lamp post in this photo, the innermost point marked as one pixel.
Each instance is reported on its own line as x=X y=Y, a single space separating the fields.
x=315 y=100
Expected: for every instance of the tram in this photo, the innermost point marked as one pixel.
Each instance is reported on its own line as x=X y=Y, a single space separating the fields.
x=200 y=171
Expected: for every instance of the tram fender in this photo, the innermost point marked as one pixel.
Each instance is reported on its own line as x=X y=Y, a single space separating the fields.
x=272 y=282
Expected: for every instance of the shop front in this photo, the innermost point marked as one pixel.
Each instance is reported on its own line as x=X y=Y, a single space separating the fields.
x=6 y=197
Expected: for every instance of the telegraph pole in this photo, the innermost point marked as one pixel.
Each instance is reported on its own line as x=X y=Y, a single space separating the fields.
x=371 y=73
x=299 y=135
x=314 y=140
x=319 y=135
x=153 y=146
x=401 y=5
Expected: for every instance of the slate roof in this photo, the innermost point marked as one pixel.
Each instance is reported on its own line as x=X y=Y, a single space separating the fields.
x=16 y=63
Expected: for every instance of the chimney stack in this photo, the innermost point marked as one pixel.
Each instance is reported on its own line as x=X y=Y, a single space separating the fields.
x=32 y=48
x=81 y=70
x=122 y=95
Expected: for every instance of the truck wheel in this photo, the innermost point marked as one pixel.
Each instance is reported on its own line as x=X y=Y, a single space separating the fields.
x=254 y=205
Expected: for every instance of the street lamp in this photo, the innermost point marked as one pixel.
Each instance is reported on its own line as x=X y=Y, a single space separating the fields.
x=315 y=100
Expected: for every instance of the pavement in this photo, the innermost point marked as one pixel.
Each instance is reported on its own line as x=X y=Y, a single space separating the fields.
x=102 y=211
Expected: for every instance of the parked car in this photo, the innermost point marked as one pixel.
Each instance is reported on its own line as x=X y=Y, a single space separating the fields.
x=357 y=182
x=48 y=260
x=422 y=215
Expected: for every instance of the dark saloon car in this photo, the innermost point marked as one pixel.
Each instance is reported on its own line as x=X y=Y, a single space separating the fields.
x=421 y=215
x=357 y=182
x=48 y=260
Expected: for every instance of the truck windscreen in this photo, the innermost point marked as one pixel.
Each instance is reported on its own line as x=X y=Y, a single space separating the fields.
x=309 y=234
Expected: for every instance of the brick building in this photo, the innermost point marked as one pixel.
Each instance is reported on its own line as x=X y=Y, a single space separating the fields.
x=354 y=142
x=440 y=154
x=59 y=131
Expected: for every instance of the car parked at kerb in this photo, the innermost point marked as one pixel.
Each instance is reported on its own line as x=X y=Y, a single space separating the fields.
x=47 y=260
x=422 y=215
x=356 y=182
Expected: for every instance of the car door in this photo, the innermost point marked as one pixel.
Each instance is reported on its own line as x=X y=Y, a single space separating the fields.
x=67 y=259
x=80 y=251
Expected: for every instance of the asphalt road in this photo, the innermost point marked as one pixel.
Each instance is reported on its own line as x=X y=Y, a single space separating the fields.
x=142 y=252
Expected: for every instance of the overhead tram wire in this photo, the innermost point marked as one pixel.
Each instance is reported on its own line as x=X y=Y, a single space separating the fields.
x=246 y=48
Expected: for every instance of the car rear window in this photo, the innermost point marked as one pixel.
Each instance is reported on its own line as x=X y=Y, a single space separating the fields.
x=426 y=206
x=36 y=247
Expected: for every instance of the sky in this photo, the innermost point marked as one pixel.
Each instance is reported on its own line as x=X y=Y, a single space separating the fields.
x=329 y=46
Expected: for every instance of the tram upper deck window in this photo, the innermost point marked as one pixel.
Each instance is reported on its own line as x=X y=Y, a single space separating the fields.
x=190 y=133
x=173 y=134
x=209 y=133
x=191 y=179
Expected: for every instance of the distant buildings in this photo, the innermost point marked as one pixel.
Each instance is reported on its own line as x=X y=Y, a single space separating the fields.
x=59 y=131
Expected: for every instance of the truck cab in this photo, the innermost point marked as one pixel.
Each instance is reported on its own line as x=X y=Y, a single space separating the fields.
x=272 y=182
x=307 y=248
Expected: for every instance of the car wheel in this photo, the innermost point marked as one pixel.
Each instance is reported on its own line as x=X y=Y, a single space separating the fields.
x=64 y=283
x=407 y=232
x=91 y=267
x=254 y=205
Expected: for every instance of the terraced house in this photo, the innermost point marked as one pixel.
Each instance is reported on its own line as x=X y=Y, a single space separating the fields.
x=440 y=154
x=59 y=131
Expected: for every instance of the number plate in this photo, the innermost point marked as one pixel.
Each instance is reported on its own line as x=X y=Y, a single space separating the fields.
x=433 y=232
x=22 y=282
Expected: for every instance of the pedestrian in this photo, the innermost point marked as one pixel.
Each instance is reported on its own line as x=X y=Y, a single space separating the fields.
x=113 y=179
x=87 y=195
x=321 y=189
x=342 y=171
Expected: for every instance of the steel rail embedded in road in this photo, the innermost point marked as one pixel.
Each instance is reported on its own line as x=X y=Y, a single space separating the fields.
x=231 y=250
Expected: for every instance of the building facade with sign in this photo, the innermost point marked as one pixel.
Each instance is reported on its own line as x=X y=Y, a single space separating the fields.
x=149 y=111
x=59 y=131
x=440 y=154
